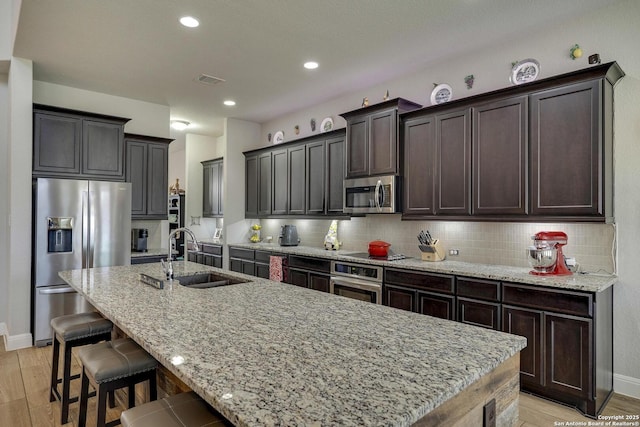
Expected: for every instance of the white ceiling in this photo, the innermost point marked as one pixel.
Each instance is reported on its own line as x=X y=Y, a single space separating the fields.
x=137 y=48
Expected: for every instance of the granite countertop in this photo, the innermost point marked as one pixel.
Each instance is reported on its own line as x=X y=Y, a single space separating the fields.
x=150 y=252
x=266 y=353
x=578 y=282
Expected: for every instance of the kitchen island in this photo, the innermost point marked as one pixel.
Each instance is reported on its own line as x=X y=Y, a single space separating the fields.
x=265 y=353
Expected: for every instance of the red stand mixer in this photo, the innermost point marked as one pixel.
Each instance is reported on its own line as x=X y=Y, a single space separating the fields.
x=545 y=256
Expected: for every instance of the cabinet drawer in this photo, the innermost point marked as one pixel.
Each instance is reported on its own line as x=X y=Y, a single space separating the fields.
x=263 y=256
x=241 y=253
x=433 y=282
x=307 y=263
x=480 y=289
x=212 y=249
x=576 y=303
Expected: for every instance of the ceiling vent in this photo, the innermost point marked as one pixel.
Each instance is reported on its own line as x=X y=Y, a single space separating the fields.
x=209 y=80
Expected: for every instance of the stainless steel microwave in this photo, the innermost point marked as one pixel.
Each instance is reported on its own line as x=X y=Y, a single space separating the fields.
x=376 y=194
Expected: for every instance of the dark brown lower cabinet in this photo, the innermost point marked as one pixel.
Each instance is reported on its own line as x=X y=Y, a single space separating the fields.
x=309 y=272
x=398 y=297
x=527 y=323
x=437 y=305
x=479 y=313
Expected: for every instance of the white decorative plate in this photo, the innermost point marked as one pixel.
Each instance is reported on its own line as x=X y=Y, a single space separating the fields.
x=278 y=137
x=326 y=125
x=524 y=71
x=441 y=93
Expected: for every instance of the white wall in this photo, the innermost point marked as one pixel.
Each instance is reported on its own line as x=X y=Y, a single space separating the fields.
x=612 y=32
x=4 y=195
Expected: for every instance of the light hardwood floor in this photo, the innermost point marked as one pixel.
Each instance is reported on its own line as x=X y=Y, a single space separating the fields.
x=24 y=396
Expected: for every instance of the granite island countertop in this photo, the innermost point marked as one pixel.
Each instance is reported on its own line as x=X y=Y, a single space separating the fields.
x=266 y=353
x=577 y=282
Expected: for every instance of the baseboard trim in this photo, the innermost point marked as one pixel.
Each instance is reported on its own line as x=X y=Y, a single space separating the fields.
x=628 y=386
x=14 y=342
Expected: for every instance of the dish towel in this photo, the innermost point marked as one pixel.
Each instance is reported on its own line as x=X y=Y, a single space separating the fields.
x=275 y=268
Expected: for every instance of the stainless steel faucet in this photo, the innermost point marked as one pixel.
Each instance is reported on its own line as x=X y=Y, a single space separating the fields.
x=167 y=267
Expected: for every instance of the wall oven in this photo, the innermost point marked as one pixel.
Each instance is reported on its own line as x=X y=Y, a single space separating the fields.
x=357 y=281
x=376 y=194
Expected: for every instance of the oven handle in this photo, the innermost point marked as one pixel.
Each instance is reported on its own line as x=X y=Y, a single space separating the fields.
x=355 y=283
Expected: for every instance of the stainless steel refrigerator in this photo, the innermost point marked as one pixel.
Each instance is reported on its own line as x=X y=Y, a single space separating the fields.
x=77 y=224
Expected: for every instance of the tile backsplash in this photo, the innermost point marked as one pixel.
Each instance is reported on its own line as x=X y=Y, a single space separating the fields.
x=501 y=243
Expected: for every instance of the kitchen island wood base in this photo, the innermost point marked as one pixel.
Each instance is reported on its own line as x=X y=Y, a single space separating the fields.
x=466 y=409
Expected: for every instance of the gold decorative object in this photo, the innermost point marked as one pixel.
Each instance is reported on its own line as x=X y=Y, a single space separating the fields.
x=175 y=188
x=365 y=102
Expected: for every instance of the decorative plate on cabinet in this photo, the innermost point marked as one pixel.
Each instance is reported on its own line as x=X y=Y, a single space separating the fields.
x=326 y=125
x=441 y=93
x=524 y=71
x=278 y=137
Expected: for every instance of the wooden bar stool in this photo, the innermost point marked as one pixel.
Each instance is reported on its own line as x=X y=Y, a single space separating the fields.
x=110 y=366
x=181 y=410
x=73 y=330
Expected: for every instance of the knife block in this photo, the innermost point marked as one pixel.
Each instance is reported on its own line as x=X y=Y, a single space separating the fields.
x=435 y=252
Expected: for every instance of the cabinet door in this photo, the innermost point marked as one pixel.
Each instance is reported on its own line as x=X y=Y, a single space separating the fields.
x=436 y=305
x=207 y=202
x=357 y=147
x=251 y=187
x=235 y=265
x=319 y=282
x=419 y=166
x=397 y=297
x=264 y=184
x=383 y=143
x=219 y=187
x=157 y=180
x=298 y=277
x=316 y=177
x=569 y=355
x=335 y=175
x=296 y=183
x=453 y=157
x=102 y=149
x=566 y=147
x=249 y=267
x=56 y=143
x=527 y=323
x=479 y=313
x=499 y=157
x=280 y=182
x=136 y=174
x=262 y=270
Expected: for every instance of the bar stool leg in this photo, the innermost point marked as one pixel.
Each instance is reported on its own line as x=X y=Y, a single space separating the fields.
x=153 y=387
x=66 y=380
x=84 y=397
x=102 y=405
x=132 y=395
x=54 y=369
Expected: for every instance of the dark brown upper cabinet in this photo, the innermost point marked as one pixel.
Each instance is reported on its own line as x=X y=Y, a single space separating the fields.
x=212 y=185
x=540 y=151
x=305 y=178
x=75 y=144
x=437 y=164
x=147 y=164
x=569 y=151
x=372 y=138
x=500 y=157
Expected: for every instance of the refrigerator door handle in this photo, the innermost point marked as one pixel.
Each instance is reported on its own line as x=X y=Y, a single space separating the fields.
x=58 y=290
x=85 y=229
x=91 y=218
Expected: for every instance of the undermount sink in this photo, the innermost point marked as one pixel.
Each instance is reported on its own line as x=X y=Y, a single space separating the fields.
x=206 y=280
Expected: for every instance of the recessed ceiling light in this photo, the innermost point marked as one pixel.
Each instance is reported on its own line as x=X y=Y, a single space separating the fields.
x=189 y=21
x=229 y=103
x=311 y=65
x=179 y=124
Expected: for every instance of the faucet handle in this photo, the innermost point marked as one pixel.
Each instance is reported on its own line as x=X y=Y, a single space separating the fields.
x=167 y=268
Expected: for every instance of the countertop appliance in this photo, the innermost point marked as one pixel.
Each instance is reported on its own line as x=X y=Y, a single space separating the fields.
x=377 y=194
x=391 y=256
x=545 y=256
x=288 y=236
x=77 y=224
x=139 y=239
x=358 y=281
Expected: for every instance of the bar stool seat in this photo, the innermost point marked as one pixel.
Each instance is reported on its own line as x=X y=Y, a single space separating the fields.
x=110 y=366
x=182 y=410
x=73 y=330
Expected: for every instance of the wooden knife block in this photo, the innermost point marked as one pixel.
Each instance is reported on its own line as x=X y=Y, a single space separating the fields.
x=437 y=253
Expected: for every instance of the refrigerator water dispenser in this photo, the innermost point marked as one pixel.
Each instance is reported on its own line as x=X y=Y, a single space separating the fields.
x=60 y=234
